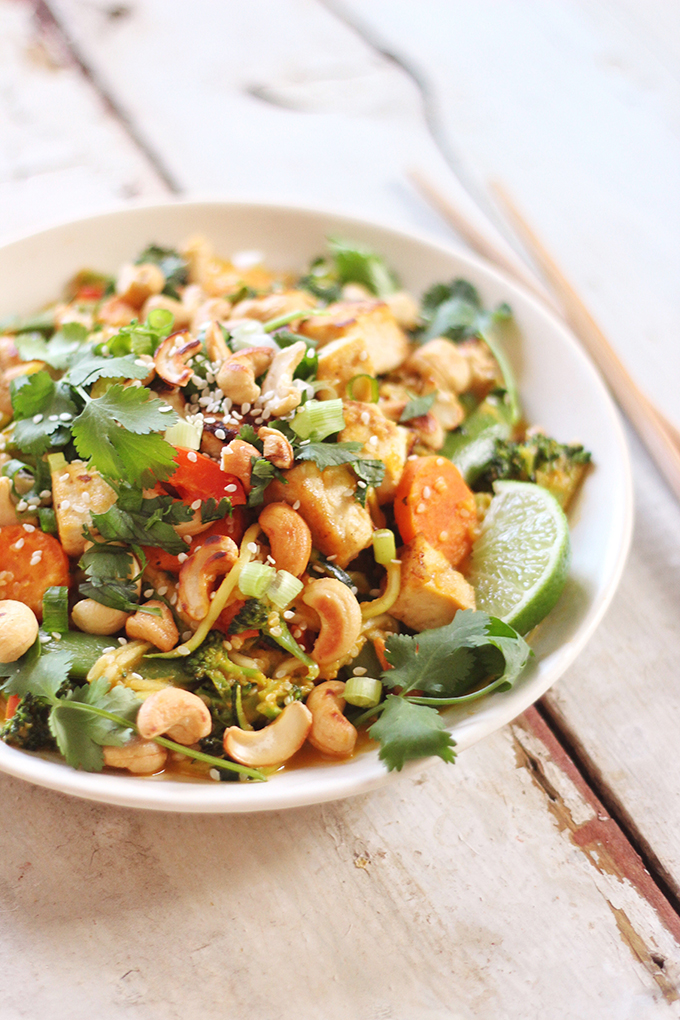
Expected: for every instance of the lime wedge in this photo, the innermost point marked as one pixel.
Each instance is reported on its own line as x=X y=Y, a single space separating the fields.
x=521 y=559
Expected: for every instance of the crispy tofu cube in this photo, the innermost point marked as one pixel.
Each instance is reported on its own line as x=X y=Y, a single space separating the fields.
x=340 y=526
x=385 y=341
x=382 y=440
x=339 y=361
x=271 y=306
x=431 y=591
x=77 y=491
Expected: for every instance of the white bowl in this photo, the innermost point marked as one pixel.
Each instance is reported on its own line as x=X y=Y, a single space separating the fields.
x=561 y=391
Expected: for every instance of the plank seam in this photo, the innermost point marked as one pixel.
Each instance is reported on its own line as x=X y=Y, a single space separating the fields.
x=596 y=782
x=49 y=21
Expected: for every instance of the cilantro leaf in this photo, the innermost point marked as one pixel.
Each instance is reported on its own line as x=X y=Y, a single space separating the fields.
x=262 y=474
x=448 y=661
x=36 y=437
x=406 y=731
x=211 y=510
x=371 y=472
x=135 y=520
x=356 y=264
x=43 y=678
x=329 y=454
x=128 y=452
x=56 y=352
x=141 y=337
x=31 y=393
x=80 y=734
x=90 y=367
x=418 y=406
x=107 y=568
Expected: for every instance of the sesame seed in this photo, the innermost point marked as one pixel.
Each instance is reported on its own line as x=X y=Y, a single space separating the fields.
x=65 y=477
x=196 y=505
x=332 y=558
x=363 y=355
x=296 y=504
x=35 y=558
x=56 y=635
x=163 y=590
x=109 y=648
x=45 y=494
x=79 y=508
x=29 y=527
x=427 y=492
x=37 y=418
x=361 y=485
x=138 y=676
x=288 y=614
x=443 y=536
x=212 y=595
x=214 y=774
x=148 y=592
x=420 y=509
x=53 y=417
x=365 y=417
x=268 y=395
x=66 y=416
x=440 y=461
x=165 y=408
x=22 y=505
x=220 y=434
x=297 y=632
x=65 y=504
x=44 y=638
x=413 y=456
x=173 y=599
x=122 y=641
x=252 y=547
x=276 y=631
x=231 y=487
x=188 y=539
x=192 y=456
x=360 y=671
x=354 y=590
x=373 y=441
x=19 y=544
x=183 y=557
x=33 y=501
x=440 y=485
x=245 y=408
x=395 y=561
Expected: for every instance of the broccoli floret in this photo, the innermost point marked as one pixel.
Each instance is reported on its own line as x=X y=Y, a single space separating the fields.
x=253 y=616
x=28 y=728
x=538 y=458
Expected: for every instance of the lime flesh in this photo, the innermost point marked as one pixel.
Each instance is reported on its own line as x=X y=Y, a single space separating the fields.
x=521 y=559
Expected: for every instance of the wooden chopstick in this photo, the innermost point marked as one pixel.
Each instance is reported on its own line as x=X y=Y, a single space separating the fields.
x=658 y=435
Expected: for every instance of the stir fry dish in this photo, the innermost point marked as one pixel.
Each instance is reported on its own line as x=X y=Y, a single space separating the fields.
x=244 y=511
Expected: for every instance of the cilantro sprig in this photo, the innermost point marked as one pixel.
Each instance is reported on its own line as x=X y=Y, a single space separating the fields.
x=438 y=668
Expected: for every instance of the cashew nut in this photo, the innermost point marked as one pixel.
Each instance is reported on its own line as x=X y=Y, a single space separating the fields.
x=211 y=312
x=137 y=283
x=236 y=377
x=236 y=460
x=275 y=743
x=171 y=358
x=340 y=616
x=181 y=715
x=215 y=344
x=279 y=395
x=216 y=556
x=143 y=757
x=276 y=448
x=331 y=732
x=161 y=631
x=289 y=537
x=18 y=629
x=94 y=618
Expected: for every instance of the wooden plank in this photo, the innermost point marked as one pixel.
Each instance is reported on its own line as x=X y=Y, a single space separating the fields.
x=497 y=887
x=63 y=153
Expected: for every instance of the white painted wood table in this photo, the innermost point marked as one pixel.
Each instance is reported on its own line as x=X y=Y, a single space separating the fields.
x=540 y=876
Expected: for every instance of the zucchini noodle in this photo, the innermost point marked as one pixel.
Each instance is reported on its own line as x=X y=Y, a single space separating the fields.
x=388 y=597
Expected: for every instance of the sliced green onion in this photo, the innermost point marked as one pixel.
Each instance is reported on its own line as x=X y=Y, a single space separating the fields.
x=55 y=610
x=283 y=320
x=364 y=388
x=283 y=589
x=384 y=546
x=363 y=691
x=57 y=462
x=255 y=578
x=320 y=418
x=160 y=319
x=184 y=433
x=48 y=520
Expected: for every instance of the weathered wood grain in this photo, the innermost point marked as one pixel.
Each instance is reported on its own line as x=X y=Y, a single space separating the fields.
x=494 y=888
x=62 y=153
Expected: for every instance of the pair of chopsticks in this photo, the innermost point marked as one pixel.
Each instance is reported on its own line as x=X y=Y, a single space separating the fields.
x=659 y=436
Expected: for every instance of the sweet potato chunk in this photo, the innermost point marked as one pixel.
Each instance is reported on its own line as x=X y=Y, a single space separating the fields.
x=431 y=591
x=31 y=562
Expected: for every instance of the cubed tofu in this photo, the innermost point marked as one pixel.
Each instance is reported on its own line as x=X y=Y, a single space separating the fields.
x=77 y=491
x=385 y=341
x=431 y=591
x=271 y=306
x=381 y=439
x=340 y=361
x=340 y=526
